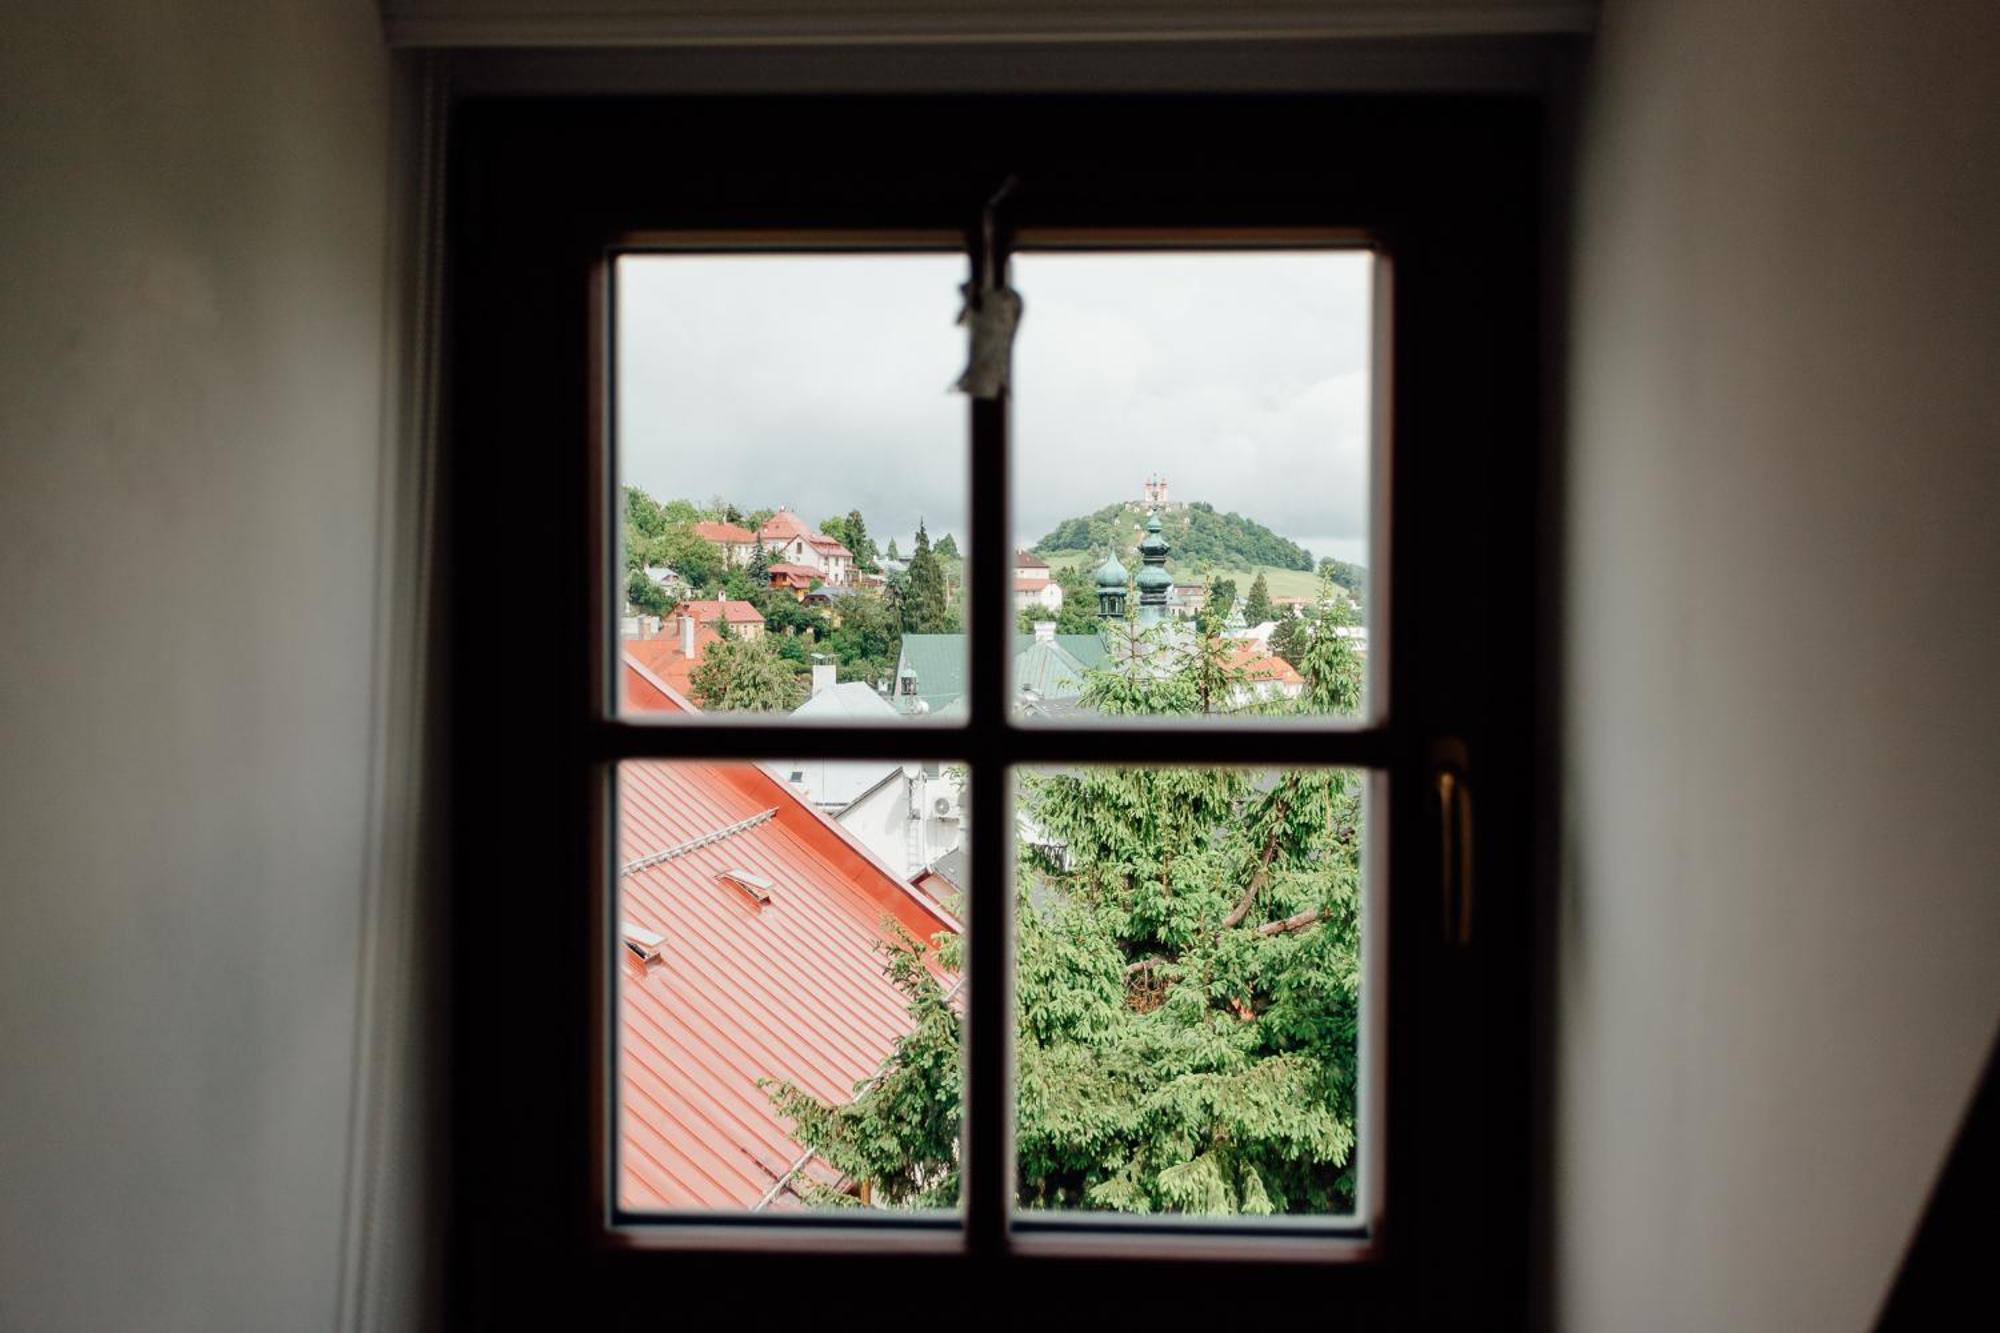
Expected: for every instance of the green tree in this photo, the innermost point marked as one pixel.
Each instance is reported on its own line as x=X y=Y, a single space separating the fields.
x=1188 y=986
x=1291 y=638
x=1257 y=604
x=947 y=547
x=1215 y=606
x=852 y=532
x=925 y=607
x=868 y=639
x=1328 y=661
x=892 y=550
x=646 y=596
x=742 y=675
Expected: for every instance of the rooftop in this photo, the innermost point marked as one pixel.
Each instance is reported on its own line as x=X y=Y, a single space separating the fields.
x=724 y=532
x=742 y=989
x=708 y=612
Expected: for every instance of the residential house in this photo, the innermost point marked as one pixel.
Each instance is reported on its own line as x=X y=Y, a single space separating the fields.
x=912 y=815
x=834 y=784
x=744 y=620
x=750 y=936
x=1265 y=677
x=795 y=579
x=1033 y=586
x=738 y=545
x=788 y=538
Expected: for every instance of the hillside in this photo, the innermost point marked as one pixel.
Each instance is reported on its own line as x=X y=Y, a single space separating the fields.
x=1200 y=537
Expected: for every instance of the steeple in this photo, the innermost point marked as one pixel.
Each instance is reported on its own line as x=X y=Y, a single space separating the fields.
x=1153 y=577
x=1111 y=589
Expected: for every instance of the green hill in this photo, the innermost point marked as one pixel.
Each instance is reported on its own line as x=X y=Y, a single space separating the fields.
x=1200 y=538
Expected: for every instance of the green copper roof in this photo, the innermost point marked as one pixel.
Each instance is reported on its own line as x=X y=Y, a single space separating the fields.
x=1053 y=670
x=1111 y=574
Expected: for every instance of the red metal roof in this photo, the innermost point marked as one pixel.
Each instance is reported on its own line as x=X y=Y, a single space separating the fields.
x=791 y=988
x=724 y=532
x=708 y=612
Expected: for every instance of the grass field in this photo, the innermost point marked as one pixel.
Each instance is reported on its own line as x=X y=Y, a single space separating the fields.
x=1282 y=582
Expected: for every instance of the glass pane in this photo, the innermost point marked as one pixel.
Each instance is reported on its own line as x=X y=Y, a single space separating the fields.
x=788 y=968
x=791 y=476
x=1189 y=984
x=1191 y=482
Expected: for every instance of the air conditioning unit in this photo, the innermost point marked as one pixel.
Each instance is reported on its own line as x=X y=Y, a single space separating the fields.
x=945 y=807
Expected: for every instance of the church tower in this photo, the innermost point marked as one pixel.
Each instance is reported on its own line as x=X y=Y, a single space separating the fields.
x=1154 y=581
x=1111 y=589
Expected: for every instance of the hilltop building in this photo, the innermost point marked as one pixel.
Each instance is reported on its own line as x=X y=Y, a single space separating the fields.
x=1154 y=493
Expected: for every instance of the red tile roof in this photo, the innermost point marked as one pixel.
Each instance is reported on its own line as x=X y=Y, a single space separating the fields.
x=724 y=532
x=828 y=546
x=794 y=571
x=661 y=659
x=1257 y=665
x=1029 y=560
x=783 y=526
x=1030 y=585
x=708 y=612
x=791 y=988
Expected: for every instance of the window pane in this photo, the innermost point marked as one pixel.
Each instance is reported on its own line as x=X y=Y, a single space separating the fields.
x=786 y=945
x=1189 y=989
x=791 y=473
x=1191 y=481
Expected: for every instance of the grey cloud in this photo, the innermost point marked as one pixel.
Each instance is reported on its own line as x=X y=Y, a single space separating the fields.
x=821 y=383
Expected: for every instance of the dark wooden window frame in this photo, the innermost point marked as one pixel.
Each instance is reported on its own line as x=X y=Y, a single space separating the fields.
x=544 y=193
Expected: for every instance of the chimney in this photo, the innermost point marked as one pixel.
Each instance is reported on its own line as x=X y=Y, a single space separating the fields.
x=687 y=634
x=823 y=674
x=1045 y=631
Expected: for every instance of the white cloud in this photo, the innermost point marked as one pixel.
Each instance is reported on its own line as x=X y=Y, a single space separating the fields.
x=820 y=382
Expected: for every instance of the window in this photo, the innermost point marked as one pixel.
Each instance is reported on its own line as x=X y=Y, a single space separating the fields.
x=548 y=196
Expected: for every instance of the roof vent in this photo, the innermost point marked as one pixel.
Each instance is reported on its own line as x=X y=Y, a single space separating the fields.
x=756 y=886
x=643 y=944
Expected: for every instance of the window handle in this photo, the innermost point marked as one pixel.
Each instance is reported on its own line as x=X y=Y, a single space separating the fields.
x=1455 y=843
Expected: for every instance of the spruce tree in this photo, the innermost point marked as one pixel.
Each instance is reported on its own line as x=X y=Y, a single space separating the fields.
x=1257 y=605
x=925 y=610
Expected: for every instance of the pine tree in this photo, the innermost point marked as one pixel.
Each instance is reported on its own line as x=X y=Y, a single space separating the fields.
x=1257 y=605
x=925 y=607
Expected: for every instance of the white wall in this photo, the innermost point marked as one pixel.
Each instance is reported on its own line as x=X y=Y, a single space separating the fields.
x=194 y=221
x=1780 y=920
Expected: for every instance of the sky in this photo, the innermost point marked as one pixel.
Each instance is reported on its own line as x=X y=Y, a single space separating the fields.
x=822 y=383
